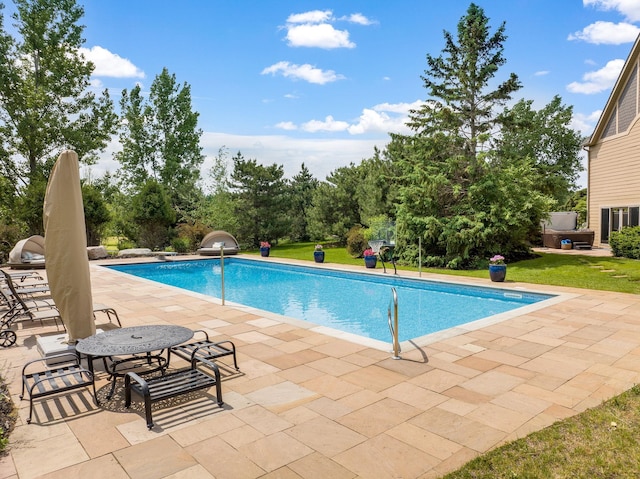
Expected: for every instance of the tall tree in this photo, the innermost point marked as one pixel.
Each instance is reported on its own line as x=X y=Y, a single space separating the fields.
x=217 y=208
x=302 y=187
x=544 y=138
x=260 y=201
x=45 y=101
x=335 y=204
x=460 y=203
x=161 y=140
x=152 y=213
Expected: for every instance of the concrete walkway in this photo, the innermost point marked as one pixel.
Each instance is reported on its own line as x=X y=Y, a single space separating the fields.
x=311 y=405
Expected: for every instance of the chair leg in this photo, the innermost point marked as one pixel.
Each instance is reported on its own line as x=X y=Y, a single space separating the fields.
x=147 y=411
x=30 y=410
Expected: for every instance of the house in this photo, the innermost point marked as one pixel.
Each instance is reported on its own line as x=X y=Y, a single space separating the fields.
x=613 y=183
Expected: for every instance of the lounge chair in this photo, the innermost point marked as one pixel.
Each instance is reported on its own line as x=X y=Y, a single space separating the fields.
x=28 y=253
x=38 y=308
x=217 y=241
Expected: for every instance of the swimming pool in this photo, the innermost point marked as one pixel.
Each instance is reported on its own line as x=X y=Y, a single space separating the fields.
x=355 y=303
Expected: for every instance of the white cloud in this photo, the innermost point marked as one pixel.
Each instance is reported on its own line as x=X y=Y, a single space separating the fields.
x=320 y=36
x=541 y=73
x=599 y=80
x=607 y=33
x=358 y=18
x=315 y=16
x=402 y=108
x=321 y=156
x=286 y=125
x=110 y=64
x=585 y=123
x=303 y=72
x=382 y=118
x=328 y=124
x=629 y=8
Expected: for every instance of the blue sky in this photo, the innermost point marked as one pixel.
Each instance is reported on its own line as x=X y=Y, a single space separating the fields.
x=322 y=82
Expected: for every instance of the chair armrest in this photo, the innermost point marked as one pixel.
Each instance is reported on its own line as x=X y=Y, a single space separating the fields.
x=209 y=364
x=72 y=358
x=201 y=331
x=128 y=377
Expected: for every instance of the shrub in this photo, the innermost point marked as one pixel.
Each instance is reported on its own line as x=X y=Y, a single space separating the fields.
x=8 y=416
x=192 y=233
x=125 y=244
x=356 y=242
x=180 y=245
x=626 y=242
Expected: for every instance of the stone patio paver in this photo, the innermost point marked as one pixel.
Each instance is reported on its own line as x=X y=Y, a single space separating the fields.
x=308 y=404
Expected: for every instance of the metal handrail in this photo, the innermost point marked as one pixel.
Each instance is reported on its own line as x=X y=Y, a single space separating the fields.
x=222 y=272
x=393 y=327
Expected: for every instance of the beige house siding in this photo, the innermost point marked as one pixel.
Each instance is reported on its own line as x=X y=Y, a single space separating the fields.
x=614 y=175
x=614 y=155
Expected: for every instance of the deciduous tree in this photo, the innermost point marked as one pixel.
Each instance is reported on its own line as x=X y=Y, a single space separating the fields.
x=161 y=140
x=46 y=103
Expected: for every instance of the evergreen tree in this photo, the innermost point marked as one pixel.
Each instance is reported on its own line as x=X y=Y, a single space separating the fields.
x=302 y=187
x=153 y=215
x=455 y=196
x=261 y=204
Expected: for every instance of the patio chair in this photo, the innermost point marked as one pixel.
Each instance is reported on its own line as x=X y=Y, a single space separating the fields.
x=206 y=349
x=39 y=309
x=66 y=375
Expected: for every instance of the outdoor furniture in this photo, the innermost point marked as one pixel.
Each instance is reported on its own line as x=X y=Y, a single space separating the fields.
x=217 y=242
x=135 y=348
x=171 y=385
x=206 y=349
x=68 y=374
x=28 y=253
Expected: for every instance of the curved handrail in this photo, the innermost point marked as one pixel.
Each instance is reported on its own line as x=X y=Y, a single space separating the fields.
x=393 y=327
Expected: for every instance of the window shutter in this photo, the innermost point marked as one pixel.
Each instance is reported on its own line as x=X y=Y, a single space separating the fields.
x=634 y=216
x=604 y=225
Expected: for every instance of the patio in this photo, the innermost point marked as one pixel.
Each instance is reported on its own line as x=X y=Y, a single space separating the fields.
x=311 y=405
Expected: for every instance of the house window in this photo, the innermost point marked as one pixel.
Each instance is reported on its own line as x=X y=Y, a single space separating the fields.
x=614 y=219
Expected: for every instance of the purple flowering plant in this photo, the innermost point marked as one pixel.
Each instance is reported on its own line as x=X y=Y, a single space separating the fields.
x=497 y=259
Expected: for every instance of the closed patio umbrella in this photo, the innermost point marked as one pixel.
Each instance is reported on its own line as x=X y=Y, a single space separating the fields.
x=67 y=263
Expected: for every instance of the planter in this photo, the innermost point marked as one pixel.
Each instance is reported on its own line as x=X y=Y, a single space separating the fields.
x=497 y=272
x=318 y=256
x=370 y=261
x=264 y=252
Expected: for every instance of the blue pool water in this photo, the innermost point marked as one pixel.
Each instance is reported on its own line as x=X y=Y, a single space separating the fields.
x=353 y=302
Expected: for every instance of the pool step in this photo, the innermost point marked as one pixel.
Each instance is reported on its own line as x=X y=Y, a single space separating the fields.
x=581 y=245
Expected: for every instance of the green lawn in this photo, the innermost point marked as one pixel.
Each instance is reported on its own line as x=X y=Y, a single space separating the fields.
x=600 y=443
x=599 y=273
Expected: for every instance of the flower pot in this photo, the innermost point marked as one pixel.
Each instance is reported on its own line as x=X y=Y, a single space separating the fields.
x=264 y=251
x=370 y=261
x=318 y=256
x=497 y=272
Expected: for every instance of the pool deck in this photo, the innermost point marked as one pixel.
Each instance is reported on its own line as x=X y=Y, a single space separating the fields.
x=313 y=405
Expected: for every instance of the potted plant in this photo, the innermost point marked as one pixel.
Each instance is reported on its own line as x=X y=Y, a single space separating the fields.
x=497 y=268
x=265 y=248
x=318 y=254
x=370 y=258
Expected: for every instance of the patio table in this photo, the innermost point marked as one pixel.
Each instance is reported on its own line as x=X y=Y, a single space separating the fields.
x=130 y=342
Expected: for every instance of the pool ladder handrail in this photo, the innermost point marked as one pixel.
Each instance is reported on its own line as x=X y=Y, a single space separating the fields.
x=393 y=327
